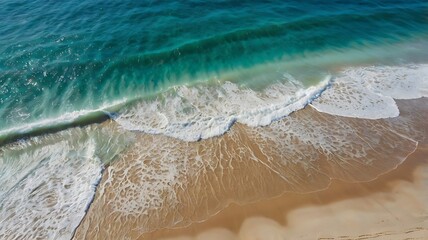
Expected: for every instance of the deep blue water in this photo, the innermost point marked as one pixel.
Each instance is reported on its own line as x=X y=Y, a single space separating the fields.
x=57 y=57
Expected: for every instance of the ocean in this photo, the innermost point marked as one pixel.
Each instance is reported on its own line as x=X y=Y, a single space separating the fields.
x=85 y=85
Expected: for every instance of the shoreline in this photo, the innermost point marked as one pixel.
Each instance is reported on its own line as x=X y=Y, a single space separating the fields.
x=325 y=96
x=170 y=183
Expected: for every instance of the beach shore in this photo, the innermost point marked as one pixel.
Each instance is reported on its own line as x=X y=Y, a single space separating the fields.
x=213 y=120
x=227 y=187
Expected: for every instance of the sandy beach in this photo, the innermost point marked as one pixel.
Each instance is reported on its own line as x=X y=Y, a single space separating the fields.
x=230 y=185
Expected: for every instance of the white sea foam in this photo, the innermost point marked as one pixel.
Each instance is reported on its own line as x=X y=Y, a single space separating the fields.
x=47 y=183
x=369 y=92
x=200 y=112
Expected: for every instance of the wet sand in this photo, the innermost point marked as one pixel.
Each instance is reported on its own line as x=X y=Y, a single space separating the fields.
x=394 y=206
x=162 y=187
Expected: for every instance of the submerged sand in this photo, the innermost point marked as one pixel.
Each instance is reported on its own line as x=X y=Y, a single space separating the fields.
x=162 y=187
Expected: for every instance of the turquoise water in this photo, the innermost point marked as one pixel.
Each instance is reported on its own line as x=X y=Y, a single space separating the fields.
x=59 y=60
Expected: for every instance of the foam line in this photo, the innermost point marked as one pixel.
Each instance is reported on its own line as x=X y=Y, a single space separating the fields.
x=200 y=112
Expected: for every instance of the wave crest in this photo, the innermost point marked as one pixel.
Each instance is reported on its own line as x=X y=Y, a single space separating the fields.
x=194 y=113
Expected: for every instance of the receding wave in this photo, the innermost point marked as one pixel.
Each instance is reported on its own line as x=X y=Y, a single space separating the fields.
x=369 y=92
x=47 y=182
